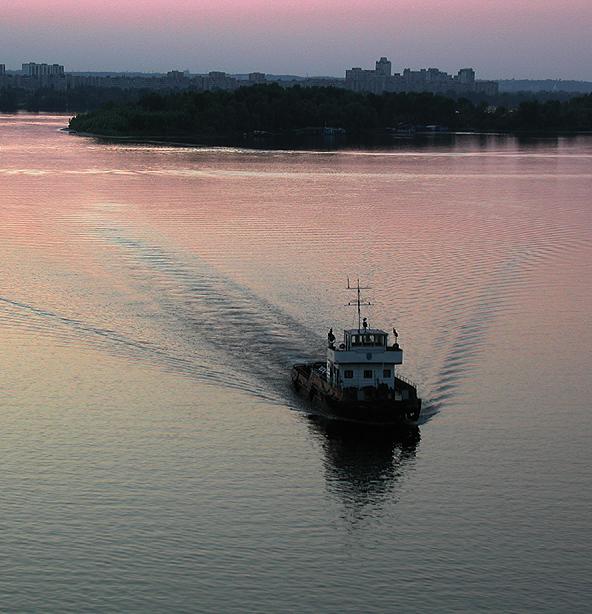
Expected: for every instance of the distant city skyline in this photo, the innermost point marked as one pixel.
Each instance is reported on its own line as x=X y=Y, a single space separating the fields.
x=518 y=39
x=377 y=80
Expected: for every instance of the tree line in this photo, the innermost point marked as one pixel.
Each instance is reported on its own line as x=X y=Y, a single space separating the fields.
x=276 y=110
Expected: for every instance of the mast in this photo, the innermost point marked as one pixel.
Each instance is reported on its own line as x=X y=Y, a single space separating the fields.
x=359 y=302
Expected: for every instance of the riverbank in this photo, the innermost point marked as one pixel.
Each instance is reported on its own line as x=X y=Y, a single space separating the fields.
x=270 y=114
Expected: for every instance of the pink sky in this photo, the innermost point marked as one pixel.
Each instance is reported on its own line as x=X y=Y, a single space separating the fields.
x=499 y=38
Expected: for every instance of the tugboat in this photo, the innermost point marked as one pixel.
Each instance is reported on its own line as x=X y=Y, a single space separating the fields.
x=358 y=381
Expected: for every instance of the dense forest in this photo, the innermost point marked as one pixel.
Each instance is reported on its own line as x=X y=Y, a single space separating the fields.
x=275 y=110
x=271 y=109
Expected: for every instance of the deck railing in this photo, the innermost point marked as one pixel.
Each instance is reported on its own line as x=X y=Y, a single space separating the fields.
x=406 y=380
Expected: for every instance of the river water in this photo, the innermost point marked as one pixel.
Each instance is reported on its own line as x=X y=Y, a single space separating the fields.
x=152 y=300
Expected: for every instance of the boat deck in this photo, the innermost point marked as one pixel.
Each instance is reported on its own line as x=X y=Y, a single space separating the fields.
x=404 y=390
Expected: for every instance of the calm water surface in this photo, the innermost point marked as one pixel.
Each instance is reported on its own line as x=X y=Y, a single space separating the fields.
x=152 y=300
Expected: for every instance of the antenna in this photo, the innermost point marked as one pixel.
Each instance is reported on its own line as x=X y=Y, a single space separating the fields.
x=358 y=302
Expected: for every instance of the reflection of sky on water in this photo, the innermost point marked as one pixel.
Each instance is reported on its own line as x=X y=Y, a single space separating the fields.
x=133 y=275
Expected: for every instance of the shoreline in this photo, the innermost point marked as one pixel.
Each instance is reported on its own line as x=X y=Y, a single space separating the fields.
x=290 y=143
x=148 y=140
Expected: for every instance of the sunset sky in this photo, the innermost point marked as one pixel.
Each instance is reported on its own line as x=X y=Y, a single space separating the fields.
x=499 y=38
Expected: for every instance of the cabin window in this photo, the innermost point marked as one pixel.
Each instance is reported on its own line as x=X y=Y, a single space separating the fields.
x=348 y=374
x=386 y=373
x=367 y=373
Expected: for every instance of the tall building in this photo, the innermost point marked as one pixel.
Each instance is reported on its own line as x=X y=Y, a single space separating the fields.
x=466 y=76
x=384 y=67
x=359 y=80
x=2 y=70
x=175 y=76
x=217 y=80
x=32 y=69
x=424 y=80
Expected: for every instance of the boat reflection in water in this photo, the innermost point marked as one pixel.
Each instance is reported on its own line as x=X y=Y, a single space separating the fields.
x=363 y=463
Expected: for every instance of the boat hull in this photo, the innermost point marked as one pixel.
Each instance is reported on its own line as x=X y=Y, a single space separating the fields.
x=340 y=403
